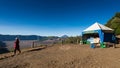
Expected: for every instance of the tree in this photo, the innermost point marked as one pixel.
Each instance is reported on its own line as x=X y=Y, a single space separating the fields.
x=114 y=23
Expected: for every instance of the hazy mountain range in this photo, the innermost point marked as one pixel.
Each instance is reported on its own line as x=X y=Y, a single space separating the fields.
x=26 y=37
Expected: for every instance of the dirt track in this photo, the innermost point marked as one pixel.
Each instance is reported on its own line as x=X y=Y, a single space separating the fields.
x=67 y=56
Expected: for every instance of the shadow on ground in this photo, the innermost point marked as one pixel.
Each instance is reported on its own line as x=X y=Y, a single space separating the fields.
x=36 y=49
x=3 y=48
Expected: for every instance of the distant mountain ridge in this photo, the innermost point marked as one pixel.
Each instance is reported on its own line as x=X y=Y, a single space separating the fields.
x=25 y=37
x=64 y=36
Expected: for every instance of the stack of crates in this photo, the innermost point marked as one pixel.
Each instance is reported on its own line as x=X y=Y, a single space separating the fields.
x=102 y=45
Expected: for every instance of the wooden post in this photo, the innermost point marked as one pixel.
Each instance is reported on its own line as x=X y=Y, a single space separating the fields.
x=77 y=41
x=33 y=44
x=114 y=46
x=62 y=42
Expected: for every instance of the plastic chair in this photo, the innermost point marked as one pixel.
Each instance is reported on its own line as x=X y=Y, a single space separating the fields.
x=92 y=46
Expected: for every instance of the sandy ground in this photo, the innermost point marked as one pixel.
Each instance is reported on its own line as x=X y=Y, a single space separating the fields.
x=63 y=56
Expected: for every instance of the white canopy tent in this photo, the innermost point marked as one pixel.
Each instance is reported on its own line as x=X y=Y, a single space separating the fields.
x=97 y=26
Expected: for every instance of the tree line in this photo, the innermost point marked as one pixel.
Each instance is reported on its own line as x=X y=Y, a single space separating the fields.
x=71 y=40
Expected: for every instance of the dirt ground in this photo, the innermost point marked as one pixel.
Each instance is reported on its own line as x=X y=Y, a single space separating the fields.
x=63 y=56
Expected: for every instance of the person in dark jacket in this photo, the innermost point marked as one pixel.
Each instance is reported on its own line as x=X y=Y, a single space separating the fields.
x=17 y=46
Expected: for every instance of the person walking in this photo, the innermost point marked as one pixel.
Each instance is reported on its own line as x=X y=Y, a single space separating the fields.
x=17 y=46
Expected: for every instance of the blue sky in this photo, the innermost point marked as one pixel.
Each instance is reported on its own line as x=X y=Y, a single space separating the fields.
x=54 y=17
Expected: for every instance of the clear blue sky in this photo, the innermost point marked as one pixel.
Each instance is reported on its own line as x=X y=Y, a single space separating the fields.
x=54 y=17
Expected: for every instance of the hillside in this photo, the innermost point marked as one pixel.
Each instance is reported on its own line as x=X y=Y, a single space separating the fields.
x=114 y=23
x=65 y=56
x=25 y=37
